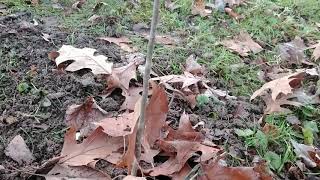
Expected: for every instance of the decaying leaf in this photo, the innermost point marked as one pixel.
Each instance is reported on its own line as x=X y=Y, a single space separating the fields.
x=310 y=155
x=62 y=172
x=292 y=53
x=79 y=117
x=274 y=106
x=132 y=97
x=316 y=51
x=121 y=77
x=134 y=178
x=232 y=3
x=78 y=4
x=233 y=14
x=123 y=42
x=19 y=151
x=161 y=39
x=242 y=44
x=215 y=170
x=192 y=65
x=283 y=85
x=97 y=145
x=199 y=7
x=170 y=5
x=83 y=58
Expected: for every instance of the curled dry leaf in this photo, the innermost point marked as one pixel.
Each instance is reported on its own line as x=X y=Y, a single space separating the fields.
x=283 y=85
x=18 y=150
x=97 y=145
x=121 y=77
x=123 y=42
x=274 y=106
x=131 y=98
x=60 y=172
x=192 y=65
x=83 y=58
x=233 y=14
x=215 y=170
x=309 y=154
x=79 y=117
x=316 y=51
x=242 y=44
x=199 y=8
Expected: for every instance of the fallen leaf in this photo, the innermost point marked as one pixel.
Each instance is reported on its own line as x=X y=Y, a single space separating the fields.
x=293 y=120
x=232 y=3
x=35 y=2
x=62 y=172
x=131 y=98
x=19 y=151
x=161 y=39
x=292 y=53
x=94 y=19
x=171 y=6
x=316 y=51
x=274 y=106
x=233 y=14
x=98 y=6
x=83 y=58
x=97 y=145
x=134 y=178
x=78 y=4
x=79 y=117
x=192 y=65
x=121 y=125
x=183 y=150
x=283 y=85
x=182 y=173
x=310 y=155
x=120 y=78
x=123 y=42
x=242 y=44
x=216 y=170
x=199 y=7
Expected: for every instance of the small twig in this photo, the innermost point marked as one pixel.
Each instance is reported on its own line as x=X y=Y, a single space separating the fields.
x=146 y=77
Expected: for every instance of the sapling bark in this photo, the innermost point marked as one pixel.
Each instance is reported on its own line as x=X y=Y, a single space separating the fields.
x=146 y=77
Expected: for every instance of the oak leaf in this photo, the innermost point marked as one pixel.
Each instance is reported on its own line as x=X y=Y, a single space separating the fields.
x=123 y=42
x=274 y=106
x=310 y=155
x=283 y=85
x=215 y=170
x=97 y=145
x=81 y=116
x=199 y=7
x=61 y=172
x=242 y=44
x=82 y=59
x=120 y=78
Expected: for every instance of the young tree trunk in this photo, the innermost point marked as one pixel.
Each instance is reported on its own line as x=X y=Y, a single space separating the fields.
x=146 y=77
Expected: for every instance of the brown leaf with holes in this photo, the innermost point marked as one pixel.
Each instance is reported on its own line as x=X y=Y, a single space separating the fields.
x=283 y=85
x=199 y=8
x=215 y=170
x=316 y=51
x=81 y=116
x=120 y=78
x=242 y=44
x=82 y=59
x=61 y=172
x=123 y=42
x=97 y=145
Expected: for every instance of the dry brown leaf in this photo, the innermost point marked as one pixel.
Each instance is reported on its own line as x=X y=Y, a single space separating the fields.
x=82 y=59
x=96 y=146
x=242 y=44
x=78 y=4
x=215 y=170
x=182 y=173
x=123 y=42
x=120 y=78
x=192 y=65
x=63 y=172
x=283 y=85
x=199 y=7
x=132 y=97
x=292 y=53
x=35 y=2
x=233 y=14
x=232 y=3
x=183 y=150
x=119 y=126
x=274 y=106
x=309 y=154
x=134 y=178
x=170 y=5
x=316 y=51
x=18 y=150
x=79 y=117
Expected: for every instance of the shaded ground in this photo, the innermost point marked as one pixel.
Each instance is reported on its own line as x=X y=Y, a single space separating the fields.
x=28 y=79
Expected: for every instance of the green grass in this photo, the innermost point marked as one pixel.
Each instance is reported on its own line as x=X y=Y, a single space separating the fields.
x=267 y=21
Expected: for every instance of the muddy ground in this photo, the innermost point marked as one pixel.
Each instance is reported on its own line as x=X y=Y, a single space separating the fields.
x=37 y=112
